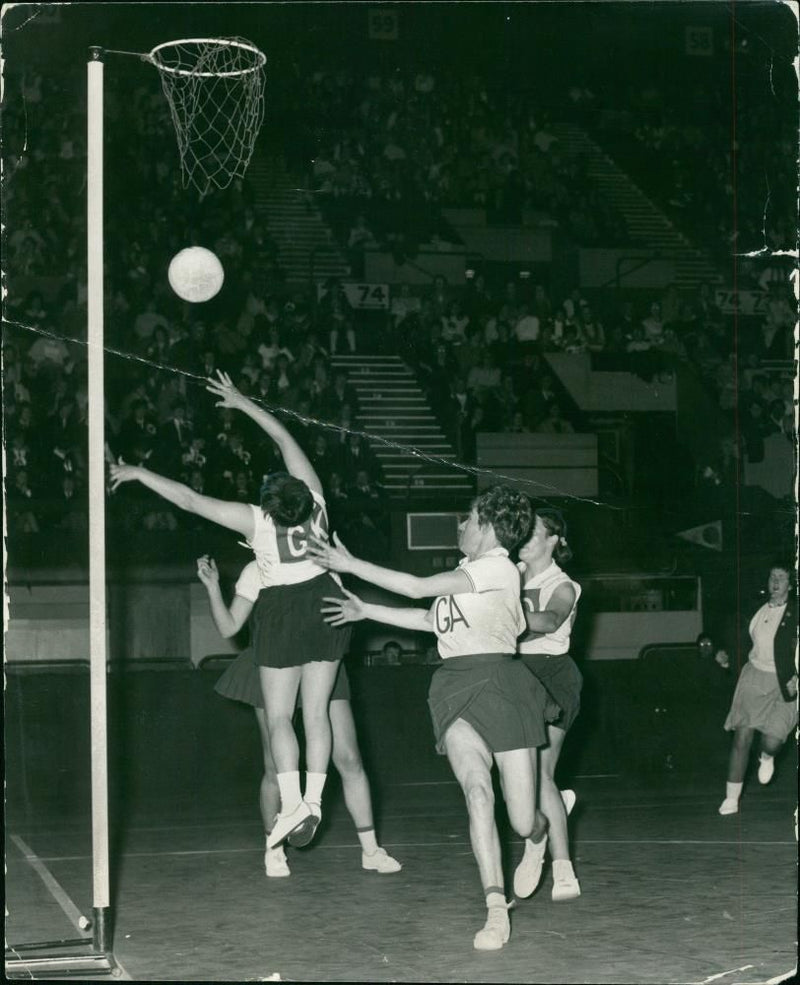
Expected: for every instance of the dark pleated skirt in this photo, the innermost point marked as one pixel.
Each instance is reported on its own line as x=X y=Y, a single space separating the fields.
x=499 y=697
x=561 y=679
x=240 y=682
x=288 y=629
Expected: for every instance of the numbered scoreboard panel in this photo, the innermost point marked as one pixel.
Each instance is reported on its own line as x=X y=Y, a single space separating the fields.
x=362 y=297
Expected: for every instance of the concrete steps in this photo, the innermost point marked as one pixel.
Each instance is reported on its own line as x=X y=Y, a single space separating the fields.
x=648 y=226
x=308 y=251
x=411 y=447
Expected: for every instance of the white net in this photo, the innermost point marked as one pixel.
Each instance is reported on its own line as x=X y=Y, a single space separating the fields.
x=215 y=90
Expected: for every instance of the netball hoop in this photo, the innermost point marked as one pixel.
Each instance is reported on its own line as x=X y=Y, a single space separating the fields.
x=215 y=90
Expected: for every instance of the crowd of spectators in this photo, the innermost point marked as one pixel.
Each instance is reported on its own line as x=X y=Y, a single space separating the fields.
x=389 y=150
x=275 y=344
x=481 y=352
x=744 y=196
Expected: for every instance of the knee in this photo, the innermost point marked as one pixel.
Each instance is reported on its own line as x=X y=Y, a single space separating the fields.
x=347 y=761
x=478 y=792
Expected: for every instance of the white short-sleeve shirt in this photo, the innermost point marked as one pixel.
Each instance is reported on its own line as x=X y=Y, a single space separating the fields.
x=536 y=593
x=489 y=618
x=282 y=552
x=248 y=585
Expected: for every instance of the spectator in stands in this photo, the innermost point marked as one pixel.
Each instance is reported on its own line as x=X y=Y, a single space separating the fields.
x=526 y=328
x=517 y=424
x=653 y=324
x=592 y=330
x=357 y=456
x=145 y=324
x=341 y=393
x=340 y=325
x=455 y=323
x=359 y=240
x=484 y=380
x=554 y=421
x=22 y=510
x=158 y=347
x=173 y=439
x=322 y=458
x=136 y=429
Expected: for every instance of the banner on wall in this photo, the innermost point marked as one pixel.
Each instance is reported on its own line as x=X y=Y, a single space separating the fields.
x=706 y=535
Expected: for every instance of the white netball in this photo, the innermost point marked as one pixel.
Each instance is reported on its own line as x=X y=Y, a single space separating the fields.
x=195 y=274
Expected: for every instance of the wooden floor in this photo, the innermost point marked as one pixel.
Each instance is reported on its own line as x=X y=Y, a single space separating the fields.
x=672 y=892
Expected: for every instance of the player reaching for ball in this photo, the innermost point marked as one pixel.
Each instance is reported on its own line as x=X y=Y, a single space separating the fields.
x=295 y=649
x=240 y=682
x=486 y=707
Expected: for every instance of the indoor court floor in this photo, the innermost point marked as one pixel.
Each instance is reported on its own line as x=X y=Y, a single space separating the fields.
x=672 y=892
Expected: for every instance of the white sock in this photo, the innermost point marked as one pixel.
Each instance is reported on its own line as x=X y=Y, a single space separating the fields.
x=764 y=756
x=314 y=784
x=495 y=897
x=733 y=791
x=289 y=786
x=562 y=869
x=369 y=843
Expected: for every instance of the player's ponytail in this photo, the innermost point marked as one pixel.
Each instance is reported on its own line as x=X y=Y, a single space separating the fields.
x=556 y=526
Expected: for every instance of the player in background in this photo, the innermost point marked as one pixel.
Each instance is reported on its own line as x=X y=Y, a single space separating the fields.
x=240 y=682
x=550 y=599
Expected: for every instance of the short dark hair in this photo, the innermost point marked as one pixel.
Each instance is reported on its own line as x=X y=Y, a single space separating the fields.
x=508 y=511
x=783 y=564
x=286 y=499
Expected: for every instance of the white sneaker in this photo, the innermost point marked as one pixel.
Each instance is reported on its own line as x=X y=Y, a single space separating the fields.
x=275 y=864
x=729 y=806
x=766 y=767
x=285 y=824
x=380 y=861
x=565 y=887
x=495 y=931
x=301 y=836
x=529 y=871
x=569 y=797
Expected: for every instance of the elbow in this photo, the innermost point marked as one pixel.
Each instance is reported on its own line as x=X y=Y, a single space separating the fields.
x=188 y=501
x=416 y=589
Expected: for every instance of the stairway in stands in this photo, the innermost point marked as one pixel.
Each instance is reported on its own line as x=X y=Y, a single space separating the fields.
x=308 y=251
x=395 y=413
x=648 y=226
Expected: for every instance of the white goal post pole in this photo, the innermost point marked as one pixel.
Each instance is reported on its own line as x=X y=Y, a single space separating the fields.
x=97 y=493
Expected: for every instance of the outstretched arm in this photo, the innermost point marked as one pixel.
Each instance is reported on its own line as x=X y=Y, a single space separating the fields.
x=336 y=557
x=227 y=620
x=234 y=516
x=337 y=612
x=297 y=464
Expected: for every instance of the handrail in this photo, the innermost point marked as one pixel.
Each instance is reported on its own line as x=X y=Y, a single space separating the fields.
x=214 y=656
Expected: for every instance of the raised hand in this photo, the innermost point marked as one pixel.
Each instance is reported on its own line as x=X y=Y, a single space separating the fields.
x=337 y=612
x=207 y=570
x=334 y=556
x=224 y=389
x=120 y=472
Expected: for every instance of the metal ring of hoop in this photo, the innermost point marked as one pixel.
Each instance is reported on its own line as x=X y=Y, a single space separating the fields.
x=155 y=58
